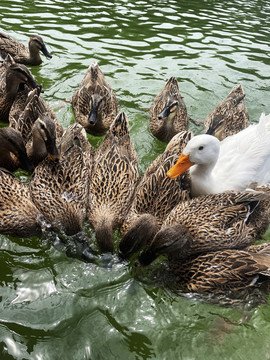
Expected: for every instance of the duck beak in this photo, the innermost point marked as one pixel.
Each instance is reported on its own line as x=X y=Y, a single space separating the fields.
x=92 y=119
x=53 y=153
x=182 y=165
x=165 y=112
x=46 y=52
x=25 y=163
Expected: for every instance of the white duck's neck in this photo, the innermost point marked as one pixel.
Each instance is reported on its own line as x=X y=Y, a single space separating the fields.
x=202 y=181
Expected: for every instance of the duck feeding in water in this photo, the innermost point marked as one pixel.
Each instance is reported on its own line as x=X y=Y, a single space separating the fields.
x=232 y=164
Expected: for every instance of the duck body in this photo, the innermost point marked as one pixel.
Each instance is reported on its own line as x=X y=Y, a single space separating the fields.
x=20 y=53
x=168 y=113
x=59 y=189
x=19 y=216
x=155 y=197
x=209 y=223
x=94 y=103
x=112 y=185
x=221 y=271
x=230 y=116
x=233 y=164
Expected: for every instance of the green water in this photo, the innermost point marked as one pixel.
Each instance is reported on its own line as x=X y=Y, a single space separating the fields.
x=54 y=305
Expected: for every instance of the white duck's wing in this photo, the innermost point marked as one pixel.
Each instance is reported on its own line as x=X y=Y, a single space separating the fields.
x=245 y=157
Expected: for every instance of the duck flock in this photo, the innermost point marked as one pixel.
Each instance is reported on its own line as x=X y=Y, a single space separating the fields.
x=204 y=220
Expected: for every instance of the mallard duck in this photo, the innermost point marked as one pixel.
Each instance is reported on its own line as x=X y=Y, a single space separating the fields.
x=12 y=150
x=27 y=108
x=94 y=103
x=210 y=223
x=60 y=189
x=155 y=197
x=113 y=182
x=221 y=271
x=20 y=53
x=19 y=216
x=232 y=164
x=230 y=116
x=12 y=78
x=168 y=113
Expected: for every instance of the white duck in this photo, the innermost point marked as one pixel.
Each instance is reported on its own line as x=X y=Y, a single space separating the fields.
x=232 y=164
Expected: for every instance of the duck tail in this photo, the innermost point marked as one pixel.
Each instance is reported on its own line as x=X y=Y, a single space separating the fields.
x=71 y=222
x=102 y=221
x=140 y=234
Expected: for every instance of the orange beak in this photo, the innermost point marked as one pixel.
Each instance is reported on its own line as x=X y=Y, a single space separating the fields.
x=182 y=164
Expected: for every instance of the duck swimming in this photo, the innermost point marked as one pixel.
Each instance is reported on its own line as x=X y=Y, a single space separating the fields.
x=232 y=164
x=155 y=197
x=19 y=216
x=94 y=103
x=20 y=53
x=168 y=113
x=230 y=116
x=60 y=189
x=113 y=182
x=212 y=222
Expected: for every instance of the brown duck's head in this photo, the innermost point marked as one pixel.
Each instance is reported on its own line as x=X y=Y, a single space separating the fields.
x=44 y=130
x=19 y=74
x=37 y=44
x=173 y=241
x=169 y=108
x=11 y=140
x=95 y=104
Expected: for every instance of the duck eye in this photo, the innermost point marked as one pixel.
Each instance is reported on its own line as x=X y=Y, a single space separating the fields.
x=201 y=148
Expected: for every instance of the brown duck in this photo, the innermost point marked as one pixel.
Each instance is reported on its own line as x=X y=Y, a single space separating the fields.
x=20 y=53
x=113 y=182
x=60 y=189
x=94 y=103
x=155 y=197
x=168 y=113
x=19 y=216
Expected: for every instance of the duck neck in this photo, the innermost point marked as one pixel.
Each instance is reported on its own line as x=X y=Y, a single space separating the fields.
x=38 y=151
x=202 y=182
x=34 y=56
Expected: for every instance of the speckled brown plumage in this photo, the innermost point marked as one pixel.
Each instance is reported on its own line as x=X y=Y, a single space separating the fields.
x=156 y=195
x=94 y=103
x=168 y=113
x=20 y=53
x=221 y=271
x=113 y=182
x=18 y=215
x=12 y=79
x=230 y=116
x=209 y=223
x=27 y=107
x=60 y=188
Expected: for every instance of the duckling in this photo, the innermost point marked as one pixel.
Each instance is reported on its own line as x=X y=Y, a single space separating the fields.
x=12 y=150
x=20 y=53
x=60 y=189
x=221 y=271
x=154 y=198
x=94 y=103
x=113 y=182
x=230 y=116
x=16 y=75
x=19 y=216
x=210 y=223
x=168 y=113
